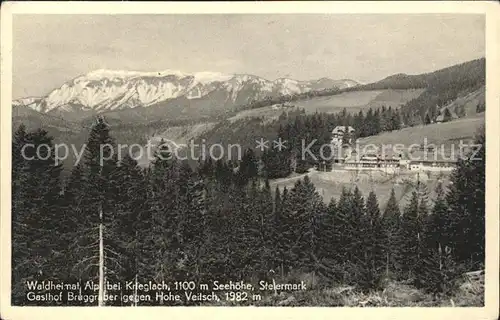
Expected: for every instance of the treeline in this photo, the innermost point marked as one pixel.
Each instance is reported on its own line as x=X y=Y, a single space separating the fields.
x=113 y=221
x=283 y=99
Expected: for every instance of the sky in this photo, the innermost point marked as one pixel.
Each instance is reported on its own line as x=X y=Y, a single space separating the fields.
x=49 y=50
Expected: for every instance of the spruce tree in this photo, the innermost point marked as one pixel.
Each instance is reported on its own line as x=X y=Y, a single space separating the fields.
x=373 y=261
x=304 y=218
x=277 y=164
x=328 y=245
x=73 y=200
x=435 y=270
x=126 y=229
x=358 y=225
x=248 y=167
x=447 y=115
x=435 y=225
x=345 y=231
x=395 y=120
x=193 y=231
x=343 y=226
x=411 y=235
x=285 y=238
x=377 y=128
x=466 y=207
x=20 y=238
x=94 y=243
x=393 y=239
x=427 y=119
x=36 y=212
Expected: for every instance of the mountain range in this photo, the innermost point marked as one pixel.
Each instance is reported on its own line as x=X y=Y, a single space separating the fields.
x=131 y=97
x=173 y=91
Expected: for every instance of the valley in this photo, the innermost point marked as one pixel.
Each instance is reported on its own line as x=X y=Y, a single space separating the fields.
x=446 y=134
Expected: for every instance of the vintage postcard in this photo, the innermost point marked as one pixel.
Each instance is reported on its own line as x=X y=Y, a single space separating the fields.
x=181 y=160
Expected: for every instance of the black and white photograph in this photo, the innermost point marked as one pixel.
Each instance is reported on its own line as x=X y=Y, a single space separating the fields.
x=249 y=159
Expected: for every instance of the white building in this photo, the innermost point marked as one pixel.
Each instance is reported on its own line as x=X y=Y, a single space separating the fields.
x=431 y=161
x=338 y=134
x=431 y=165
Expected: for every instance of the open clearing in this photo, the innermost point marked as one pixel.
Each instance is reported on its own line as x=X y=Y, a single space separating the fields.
x=180 y=135
x=266 y=113
x=358 y=100
x=329 y=184
x=184 y=134
x=469 y=102
x=447 y=134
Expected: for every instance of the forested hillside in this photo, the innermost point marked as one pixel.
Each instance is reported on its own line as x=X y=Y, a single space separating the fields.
x=441 y=87
x=222 y=221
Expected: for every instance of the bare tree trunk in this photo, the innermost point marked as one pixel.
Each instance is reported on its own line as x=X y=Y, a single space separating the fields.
x=440 y=261
x=101 y=261
x=387 y=265
x=135 y=290
x=274 y=287
x=136 y=268
x=312 y=282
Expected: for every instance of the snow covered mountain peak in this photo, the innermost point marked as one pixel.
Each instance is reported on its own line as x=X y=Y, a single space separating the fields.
x=123 y=74
x=208 y=76
x=205 y=76
x=106 y=90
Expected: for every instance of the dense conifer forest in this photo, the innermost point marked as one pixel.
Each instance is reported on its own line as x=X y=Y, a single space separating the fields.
x=222 y=221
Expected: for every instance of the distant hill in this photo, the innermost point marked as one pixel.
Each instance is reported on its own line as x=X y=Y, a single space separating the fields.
x=33 y=119
x=442 y=87
x=471 y=72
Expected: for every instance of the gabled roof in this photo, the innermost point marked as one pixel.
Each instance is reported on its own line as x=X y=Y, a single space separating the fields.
x=343 y=129
x=440 y=117
x=430 y=156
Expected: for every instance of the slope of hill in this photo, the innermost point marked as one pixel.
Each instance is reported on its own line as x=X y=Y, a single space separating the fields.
x=33 y=120
x=445 y=134
x=356 y=100
x=443 y=87
x=470 y=72
x=467 y=105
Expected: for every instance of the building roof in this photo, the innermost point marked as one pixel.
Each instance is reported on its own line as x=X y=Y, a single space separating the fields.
x=440 y=117
x=369 y=157
x=343 y=129
x=431 y=156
